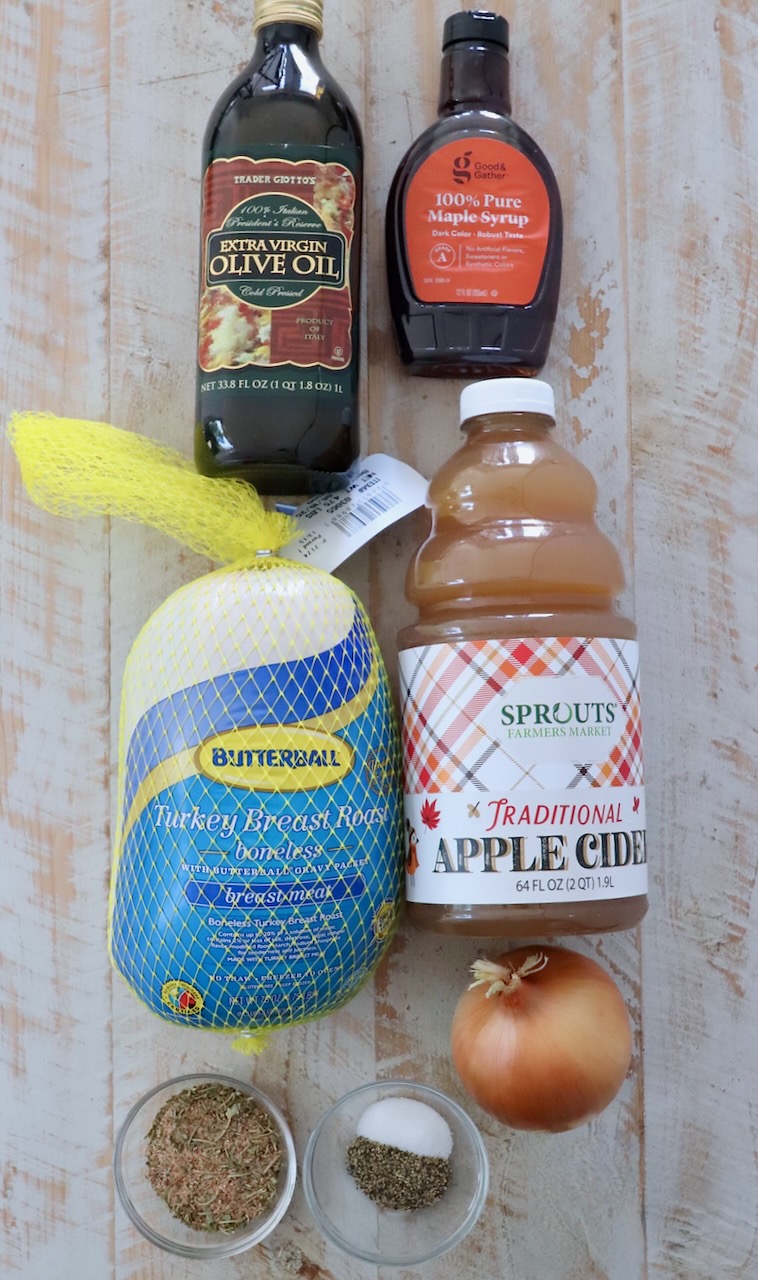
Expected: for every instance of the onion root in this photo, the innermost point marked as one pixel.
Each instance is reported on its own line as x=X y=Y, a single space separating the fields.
x=504 y=981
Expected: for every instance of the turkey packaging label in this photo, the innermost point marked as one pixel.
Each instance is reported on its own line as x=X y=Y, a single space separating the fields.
x=256 y=879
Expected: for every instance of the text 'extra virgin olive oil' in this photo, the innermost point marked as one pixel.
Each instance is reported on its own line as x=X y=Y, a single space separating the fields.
x=474 y=225
x=278 y=339
x=522 y=737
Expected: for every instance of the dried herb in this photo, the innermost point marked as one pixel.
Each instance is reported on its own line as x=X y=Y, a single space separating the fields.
x=397 y=1179
x=213 y=1155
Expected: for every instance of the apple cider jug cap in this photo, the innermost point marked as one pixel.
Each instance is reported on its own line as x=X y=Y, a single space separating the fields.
x=507 y=395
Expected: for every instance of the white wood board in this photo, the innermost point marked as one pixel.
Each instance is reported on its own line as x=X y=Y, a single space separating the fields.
x=648 y=112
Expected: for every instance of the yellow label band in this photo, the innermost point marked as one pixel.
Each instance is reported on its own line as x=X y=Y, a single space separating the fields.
x=183 y=765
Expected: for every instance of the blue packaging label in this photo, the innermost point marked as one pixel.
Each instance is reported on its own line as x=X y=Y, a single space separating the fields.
x=257 y=878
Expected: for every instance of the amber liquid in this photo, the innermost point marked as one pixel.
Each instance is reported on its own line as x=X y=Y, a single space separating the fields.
x=514 y=551
x=305 y=441
x=449 y=339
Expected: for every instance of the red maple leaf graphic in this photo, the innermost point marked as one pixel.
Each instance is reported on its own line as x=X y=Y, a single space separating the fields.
x=430 y=814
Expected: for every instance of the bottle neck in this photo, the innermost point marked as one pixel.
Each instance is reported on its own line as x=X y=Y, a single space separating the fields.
x=286 y=57
x=273 y=35
x=475 y=75
x=515 y=425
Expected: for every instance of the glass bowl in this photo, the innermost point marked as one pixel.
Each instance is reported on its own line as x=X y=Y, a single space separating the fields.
x=151 y=1214
x=390 y=1237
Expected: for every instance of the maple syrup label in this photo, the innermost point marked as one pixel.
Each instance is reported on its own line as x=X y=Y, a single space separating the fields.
x=477 y=217
x=275 y=275
x=522 y=763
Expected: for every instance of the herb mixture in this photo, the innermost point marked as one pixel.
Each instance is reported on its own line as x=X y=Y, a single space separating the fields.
x=213 y=1155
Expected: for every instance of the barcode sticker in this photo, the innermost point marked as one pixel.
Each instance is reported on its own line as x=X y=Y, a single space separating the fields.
x=334 y=525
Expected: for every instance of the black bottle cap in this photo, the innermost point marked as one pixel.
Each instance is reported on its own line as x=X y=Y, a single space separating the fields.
x=475 y=24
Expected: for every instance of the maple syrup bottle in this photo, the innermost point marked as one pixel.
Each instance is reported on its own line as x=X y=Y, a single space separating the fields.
x=474 y=226
x=278 y=345
x=522 y=750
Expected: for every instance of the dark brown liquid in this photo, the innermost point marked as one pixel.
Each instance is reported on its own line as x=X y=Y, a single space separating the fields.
x=449 y=339
x=305 y=441
x=514 y=551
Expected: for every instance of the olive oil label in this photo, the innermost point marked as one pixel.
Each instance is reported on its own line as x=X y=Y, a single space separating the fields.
x=275 y=286
x=523 y=775
x=477 y=217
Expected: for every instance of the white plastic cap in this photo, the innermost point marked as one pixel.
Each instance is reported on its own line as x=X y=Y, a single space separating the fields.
x=507 y=395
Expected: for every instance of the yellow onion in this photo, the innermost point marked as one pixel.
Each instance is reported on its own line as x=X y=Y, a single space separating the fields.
x=541 y=1038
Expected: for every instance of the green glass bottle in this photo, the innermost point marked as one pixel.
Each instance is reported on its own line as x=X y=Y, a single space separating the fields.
x=278 y=339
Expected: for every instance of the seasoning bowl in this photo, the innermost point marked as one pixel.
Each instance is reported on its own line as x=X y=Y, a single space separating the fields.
x=149 y=1212
x=391 y=1237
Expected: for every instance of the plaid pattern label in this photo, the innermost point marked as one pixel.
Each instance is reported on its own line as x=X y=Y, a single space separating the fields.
x=523 y=770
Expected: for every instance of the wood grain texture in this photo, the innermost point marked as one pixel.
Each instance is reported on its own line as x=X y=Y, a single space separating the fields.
x=647 y=110
x=692 y=177
x=55 y=1076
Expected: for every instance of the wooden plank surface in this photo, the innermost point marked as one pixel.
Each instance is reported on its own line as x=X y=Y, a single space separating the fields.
x=692 y=342
x=647 y=109
x=55 y=1088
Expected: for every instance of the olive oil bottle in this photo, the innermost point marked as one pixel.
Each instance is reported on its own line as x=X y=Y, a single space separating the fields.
x=278 y=340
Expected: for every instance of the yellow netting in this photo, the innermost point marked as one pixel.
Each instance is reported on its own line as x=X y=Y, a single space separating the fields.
x=76 y=468
x=257 y=856
x=256 y=874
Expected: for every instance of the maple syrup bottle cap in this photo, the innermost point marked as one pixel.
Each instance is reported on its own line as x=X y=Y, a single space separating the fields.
x=476 y=24
x=507 y=395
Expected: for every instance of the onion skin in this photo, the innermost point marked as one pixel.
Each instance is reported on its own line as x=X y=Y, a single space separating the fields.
x=550 y=1054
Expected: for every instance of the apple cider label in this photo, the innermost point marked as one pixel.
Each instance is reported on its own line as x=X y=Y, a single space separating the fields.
x=522 y=764
x=276 y=310
x=477 y=214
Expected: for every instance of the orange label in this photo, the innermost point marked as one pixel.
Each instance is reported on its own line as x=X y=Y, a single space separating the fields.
x=477 y=218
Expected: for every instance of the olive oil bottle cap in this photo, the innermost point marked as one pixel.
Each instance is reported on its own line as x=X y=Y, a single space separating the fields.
x=507 y=395
x=475 y=24
x=309 y=13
